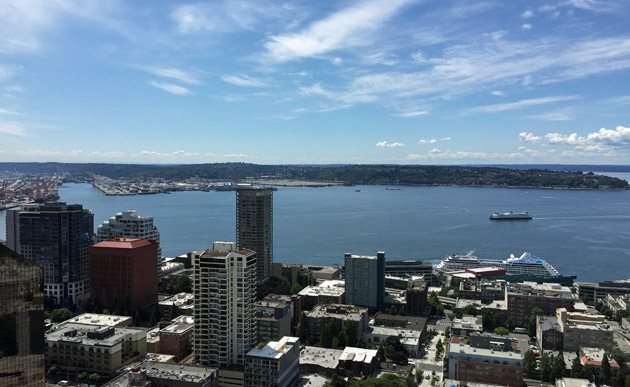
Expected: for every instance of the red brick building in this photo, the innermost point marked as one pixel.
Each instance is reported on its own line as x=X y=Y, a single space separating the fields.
x=123 y=272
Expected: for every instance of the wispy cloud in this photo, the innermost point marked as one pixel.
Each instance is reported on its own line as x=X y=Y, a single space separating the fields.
x=243 y=80
x=412 y=114
x=519 y=104
x=349 y=27
x=8 y=112
x=559 y=115
x=527 y=14
x=173 y=73
x=431 y=141
x=171 y=88
x=385 y=144
x=12 y=128
x=526 y=26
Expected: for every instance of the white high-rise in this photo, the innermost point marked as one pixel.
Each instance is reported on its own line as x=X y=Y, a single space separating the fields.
x=129 y=224
x=225 y=296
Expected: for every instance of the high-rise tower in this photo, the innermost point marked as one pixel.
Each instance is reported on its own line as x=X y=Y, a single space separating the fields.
x=365 y=280
x=254 y=226
x=57 y=238
x=22 y=344
x=225 y=295
x=129 y=224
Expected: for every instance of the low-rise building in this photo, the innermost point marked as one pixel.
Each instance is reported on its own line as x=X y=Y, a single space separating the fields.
x=327 y=273
x=275 y=364
x=594 y=356
x=584 y=330
x=176 y=338
x=466 y=325
x=96 y=319
x=294 y=302
x=523 y=297
x=272 y=319
x=327 y=292
x=409 y=268
x=183 y=302
x=485 y=359
x=317 y=360
x=92 y=348
x=574 y=382
x=410 y=339
x=619 y=303
x=549 y=336
x=321 y=314
x=162 y=374
x=591 y=292
x=358 y=362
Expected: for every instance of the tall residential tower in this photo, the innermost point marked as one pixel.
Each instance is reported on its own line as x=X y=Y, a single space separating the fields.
x=254 y=226
x=225 y=295
x=57 y=238
x=365 y=280
x=129 y=224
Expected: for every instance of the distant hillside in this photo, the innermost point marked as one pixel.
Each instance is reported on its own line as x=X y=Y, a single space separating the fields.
x=348 y=174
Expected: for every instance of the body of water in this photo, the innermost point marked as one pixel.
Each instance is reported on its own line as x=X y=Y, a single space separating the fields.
x=583 y=233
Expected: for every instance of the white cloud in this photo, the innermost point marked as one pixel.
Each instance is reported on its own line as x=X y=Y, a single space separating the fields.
x=13 y=128
x=412 y=114
x=527 y=14
x=171 y=88
x=560 y=115
x=337 y=60
x=243 y=80
x=445 y=139
x=571 y=139
x=528 y=137
x=519 y=104
x=619 y=136
x=173 y=73
x=349 y=27
x=436 y=154
x=385 y=144
x=432 y=141
x=497 y=93
x=8 y=112
x=526 y=26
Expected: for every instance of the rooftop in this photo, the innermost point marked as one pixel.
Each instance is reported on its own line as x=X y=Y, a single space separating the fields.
x=101 y=319
x=330 y=288
x=124 y=243
x=274 y=349
x=323 y=357
x=347 y=312
x=359 y=355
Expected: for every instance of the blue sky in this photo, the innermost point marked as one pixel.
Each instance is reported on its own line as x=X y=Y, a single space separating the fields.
x=375 y=81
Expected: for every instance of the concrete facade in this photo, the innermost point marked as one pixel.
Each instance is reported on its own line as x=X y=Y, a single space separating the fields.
x=365 y=280
x=254 y=226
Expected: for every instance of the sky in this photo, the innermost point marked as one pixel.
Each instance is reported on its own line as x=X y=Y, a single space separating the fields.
x=315 y=82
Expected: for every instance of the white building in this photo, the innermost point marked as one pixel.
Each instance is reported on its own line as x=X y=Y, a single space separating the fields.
x=225 y=296
x=276 y=364
x=129 y=224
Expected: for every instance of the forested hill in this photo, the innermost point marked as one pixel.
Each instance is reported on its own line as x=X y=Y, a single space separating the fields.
x=348 y=174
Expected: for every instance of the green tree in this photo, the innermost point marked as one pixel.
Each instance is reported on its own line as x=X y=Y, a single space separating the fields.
x=295 y=288
x=470 y=310
x=94 y=377
x=82 y=375
x=577 y=370
x=52 y=371
x=501 y=331
x=447 y=332
x=184 y=284
x=174 y=313
x=620 y=356
x=626 y=383
x=156 y=312
x=350 y=332
x=529 y=361
x=329 y=332
x=530 y=320
x=546 y=365
x=303 y=328
x=153 y=321
x=341 y=340
x=60 y=315
x=335 y=342
x=337 y=381
x=137 y=319
x=106 y=311
x=419 y=376
x=606 y=370
x=559 y=366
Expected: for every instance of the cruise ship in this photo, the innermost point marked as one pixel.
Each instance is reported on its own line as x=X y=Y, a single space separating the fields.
x=523 y=265
x=510 y=216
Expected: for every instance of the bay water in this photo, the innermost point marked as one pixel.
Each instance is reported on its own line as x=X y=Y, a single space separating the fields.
x=584 y=233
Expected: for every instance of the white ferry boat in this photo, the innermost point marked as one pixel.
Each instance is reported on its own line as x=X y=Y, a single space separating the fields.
x=510 y=216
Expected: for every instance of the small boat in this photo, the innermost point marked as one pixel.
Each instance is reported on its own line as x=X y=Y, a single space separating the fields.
x=357 y=190
x=392 y=189
x=510 y=216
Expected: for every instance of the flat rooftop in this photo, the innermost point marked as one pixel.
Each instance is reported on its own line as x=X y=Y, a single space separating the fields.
x=274 y=349
x=323 y=357
x=101 y=319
